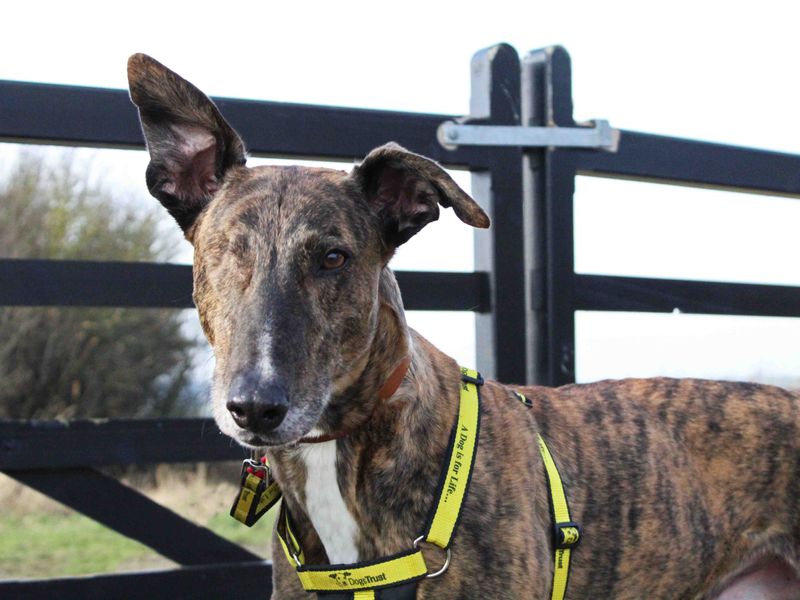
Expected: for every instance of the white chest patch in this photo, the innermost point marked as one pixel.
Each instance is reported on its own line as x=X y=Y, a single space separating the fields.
x=324 y=503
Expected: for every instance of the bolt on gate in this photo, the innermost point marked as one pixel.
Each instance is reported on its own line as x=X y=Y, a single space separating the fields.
x=524 y=150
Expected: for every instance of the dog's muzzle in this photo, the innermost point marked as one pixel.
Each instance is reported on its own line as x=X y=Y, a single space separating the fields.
x=255 y=405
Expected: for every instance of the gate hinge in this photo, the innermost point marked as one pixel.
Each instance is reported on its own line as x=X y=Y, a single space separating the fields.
x=600 y=136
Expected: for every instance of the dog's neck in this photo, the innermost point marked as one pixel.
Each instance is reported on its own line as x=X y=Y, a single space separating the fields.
x=368 y=494
x=356 y=390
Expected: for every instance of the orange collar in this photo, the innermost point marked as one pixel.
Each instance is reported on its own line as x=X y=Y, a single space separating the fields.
x=386 y=392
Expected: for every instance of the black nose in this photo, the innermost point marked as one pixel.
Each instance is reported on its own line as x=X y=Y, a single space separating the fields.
x=257 y=406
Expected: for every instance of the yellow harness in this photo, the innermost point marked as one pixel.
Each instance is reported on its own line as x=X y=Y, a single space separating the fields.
x=360 y=581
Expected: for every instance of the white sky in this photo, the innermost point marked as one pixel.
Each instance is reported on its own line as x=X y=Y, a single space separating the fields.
x=725 y=72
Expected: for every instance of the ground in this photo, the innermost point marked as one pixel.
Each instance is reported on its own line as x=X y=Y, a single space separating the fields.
x=40 y=538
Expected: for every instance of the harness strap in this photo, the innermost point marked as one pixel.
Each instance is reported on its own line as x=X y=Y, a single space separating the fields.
x=364 y=577
x=463 y=444
x=566 y=532
x=291 y=547
x=396 y=569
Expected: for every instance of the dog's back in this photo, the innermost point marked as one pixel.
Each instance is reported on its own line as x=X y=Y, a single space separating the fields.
x=678 y=484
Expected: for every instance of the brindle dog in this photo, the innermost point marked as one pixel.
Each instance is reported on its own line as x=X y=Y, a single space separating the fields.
x=684 y=488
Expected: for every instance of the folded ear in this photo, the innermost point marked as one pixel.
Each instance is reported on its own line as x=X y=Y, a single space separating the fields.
x=405 y=190
x=191 y=146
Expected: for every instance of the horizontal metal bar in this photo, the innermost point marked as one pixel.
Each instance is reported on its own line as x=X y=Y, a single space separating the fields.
x=94 y=283
x=85 y=116
x=601 y=136
x=423 y=290
x=148 y=285
x=675 y=160
x=68 y=444
x=134 y=515
x=207 y=582
x=606 y=293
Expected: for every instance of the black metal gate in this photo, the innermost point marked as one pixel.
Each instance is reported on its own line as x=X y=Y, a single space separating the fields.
x=555 y=291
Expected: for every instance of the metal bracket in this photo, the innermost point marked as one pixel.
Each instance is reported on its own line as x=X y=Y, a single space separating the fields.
x=601 y=136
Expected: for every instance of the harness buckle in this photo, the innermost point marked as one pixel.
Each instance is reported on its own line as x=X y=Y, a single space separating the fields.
x=296 y=559
x=567 y=535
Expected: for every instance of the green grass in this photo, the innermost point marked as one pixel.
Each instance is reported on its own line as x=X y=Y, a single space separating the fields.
x=42 y=545
x=256 y=538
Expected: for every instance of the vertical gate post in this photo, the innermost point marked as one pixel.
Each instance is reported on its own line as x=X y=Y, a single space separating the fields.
x=495 y=99
x=549 y=186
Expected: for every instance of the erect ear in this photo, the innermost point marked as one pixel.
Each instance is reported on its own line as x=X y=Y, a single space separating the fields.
x=405 y=190
x=191 y=146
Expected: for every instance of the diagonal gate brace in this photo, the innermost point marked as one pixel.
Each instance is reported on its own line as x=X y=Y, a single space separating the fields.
x=600 y=136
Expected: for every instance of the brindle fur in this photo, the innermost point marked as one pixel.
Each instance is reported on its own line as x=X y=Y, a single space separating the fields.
x=681 y=486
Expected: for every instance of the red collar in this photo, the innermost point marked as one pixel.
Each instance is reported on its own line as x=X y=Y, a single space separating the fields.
x=386 y=392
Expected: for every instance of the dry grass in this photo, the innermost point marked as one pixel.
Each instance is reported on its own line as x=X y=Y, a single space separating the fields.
x=35 y=530
x=185 y=489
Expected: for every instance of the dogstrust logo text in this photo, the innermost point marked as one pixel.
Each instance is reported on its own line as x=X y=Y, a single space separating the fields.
x=346 y=579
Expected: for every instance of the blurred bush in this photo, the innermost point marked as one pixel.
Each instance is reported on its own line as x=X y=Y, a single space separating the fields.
x=86 y=362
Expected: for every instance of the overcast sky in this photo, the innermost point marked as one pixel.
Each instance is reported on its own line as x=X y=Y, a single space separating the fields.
x=726 y=72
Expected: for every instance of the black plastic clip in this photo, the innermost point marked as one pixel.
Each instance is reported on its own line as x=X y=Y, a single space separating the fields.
x=469 y=379
x=567 y=535
x=524 y=399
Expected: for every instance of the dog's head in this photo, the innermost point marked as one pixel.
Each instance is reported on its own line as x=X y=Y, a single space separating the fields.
x=287 y=260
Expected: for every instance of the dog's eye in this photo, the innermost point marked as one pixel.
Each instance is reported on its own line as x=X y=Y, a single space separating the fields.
x=333 y=260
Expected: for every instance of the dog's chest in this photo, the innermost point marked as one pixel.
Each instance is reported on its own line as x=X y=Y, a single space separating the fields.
x=325 y=506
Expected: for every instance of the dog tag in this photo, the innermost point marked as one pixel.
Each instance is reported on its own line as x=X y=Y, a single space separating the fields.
x=258 y=493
